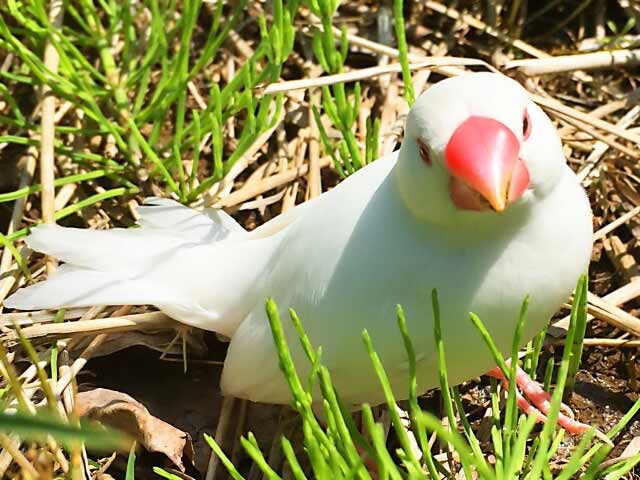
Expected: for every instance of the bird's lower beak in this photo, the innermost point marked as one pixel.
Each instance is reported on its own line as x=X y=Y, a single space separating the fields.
x=483 y=159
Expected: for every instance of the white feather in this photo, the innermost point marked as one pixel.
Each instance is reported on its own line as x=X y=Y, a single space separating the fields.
x=79 y=287
x=155 y=263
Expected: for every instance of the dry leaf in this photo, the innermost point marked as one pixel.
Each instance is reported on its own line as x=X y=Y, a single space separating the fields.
x=632 y=449
x=123 y=412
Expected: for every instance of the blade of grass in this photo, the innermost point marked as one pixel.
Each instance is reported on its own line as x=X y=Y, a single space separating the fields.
x=552 y=416
x=223 y=458
x=36 y=427
x=131 y=463
x=398 y=16
x=390 y=399
x=413 y=394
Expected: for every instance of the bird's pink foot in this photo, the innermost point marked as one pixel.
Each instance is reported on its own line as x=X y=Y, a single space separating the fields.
x=538 y=402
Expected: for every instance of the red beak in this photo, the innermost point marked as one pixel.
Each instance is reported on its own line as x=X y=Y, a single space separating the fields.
x=482 y=157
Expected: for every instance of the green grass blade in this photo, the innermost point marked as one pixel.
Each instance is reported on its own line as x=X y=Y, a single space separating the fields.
x=251 y=447
x=36 y=427
x=223 y=458
x=545 y=437
x=389 y=397
x=398 y=16
x=131 y=464
x=442 y=362
x=413 y=394
x=292 y=460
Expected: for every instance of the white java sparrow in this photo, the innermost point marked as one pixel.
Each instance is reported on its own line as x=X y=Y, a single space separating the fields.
x=477 y=203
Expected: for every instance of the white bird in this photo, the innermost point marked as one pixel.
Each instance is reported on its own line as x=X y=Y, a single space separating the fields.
x=477 y=203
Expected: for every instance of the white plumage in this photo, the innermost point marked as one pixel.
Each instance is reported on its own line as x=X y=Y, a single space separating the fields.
x=387 y=235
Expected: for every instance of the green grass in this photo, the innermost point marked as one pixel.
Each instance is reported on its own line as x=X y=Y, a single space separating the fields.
x=141 y=88
x=37 y=427
x=339 y=108
x=519 y=450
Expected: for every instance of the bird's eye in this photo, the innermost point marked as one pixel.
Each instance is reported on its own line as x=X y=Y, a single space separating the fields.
x=526 y=125
x=424 y=153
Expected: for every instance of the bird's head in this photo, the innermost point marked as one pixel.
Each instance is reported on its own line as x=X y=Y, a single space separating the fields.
x=476 y=147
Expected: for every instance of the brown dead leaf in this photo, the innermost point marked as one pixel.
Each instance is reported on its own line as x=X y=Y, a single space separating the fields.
x=632 y=449
x=123 y=412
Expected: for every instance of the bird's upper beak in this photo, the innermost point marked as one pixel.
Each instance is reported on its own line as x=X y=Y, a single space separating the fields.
x=483 y=158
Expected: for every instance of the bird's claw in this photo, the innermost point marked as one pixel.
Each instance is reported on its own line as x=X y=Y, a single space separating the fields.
x=538 y=403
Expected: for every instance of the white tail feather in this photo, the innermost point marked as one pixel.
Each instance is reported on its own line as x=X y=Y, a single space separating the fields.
x=122 y=250
x=77 y=287
x=167 y=215
x=119 y=266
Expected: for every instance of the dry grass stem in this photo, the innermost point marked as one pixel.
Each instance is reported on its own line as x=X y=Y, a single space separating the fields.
x=9 y=444
x=100 y=325
x=368 y=73
x=635 y=154
x=621 y=258
x=480 y=25
x=603 y=342
x=618 y=297
x=555 y=106
x=240 y=422
x=370 y=45
x=14 y=443
x=589 y=168
x=41 y=316
x=605 y=311
x=78 y=364
x=568 y=63
x=27 y=167
x=47 y=160
x=610 y=227
x=269 y=183
x=221 y=431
